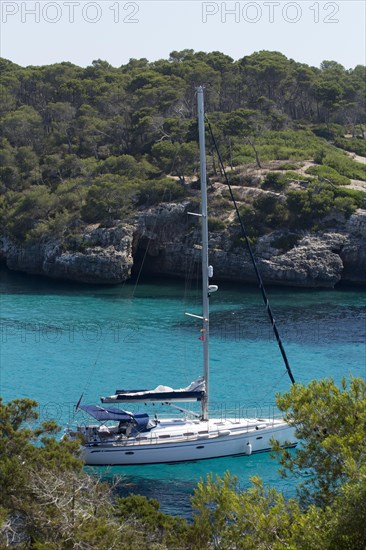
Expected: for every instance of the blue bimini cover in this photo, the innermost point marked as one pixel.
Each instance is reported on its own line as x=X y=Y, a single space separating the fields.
x=104 y=414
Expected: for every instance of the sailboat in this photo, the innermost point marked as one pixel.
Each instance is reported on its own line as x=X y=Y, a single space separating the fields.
x=126 y=438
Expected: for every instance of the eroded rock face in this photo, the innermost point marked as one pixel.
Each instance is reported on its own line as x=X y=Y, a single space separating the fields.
x=353 y=254
x=22 y=258
x=163 y=240
x=106 y=257
x=318 y=260
x=311 y=263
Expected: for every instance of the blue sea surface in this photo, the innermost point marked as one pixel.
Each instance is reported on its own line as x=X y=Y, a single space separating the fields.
x=60 y=340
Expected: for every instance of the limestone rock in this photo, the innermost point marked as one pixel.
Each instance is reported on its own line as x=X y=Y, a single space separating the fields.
x=106 y=257
x=163 y=241
x=353 y=254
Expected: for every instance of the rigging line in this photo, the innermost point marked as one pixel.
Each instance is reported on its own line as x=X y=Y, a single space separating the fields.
x=192 y=270
x=188 y=263
x=271 y=390
x=259 y=278
x=91 y=374
x=147 y=248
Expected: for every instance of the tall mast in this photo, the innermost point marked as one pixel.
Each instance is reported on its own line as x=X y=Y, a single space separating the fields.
x=205 y=266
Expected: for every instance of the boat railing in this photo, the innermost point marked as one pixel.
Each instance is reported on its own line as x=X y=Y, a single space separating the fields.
x=223 y=411
x=154 y=439
x=240 y=411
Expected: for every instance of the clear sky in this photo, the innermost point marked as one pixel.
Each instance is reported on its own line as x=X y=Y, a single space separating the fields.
x=45 y=32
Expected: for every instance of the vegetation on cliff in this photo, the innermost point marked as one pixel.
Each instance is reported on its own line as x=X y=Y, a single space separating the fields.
x=49 y=502
x=96 y=144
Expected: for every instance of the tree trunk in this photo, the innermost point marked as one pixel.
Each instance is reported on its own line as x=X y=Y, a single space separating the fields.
x=257 y=159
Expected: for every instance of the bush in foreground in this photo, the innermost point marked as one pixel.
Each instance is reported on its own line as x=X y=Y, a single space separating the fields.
x=48 y=502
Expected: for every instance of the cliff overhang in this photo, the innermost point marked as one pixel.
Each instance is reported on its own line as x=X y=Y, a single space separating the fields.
x=162 y=241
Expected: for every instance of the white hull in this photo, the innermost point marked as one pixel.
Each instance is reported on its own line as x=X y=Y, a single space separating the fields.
x=180 y=441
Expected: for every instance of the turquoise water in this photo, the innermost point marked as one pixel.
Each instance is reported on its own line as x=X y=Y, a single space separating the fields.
x=59 y=340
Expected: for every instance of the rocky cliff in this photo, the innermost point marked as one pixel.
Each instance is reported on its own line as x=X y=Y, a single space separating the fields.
x=162 y=241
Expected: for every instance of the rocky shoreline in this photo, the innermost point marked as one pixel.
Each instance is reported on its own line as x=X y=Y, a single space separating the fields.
x=160 y=241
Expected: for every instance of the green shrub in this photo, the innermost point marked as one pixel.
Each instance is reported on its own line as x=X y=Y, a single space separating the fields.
x=246 y=157
x=24 y=210
x=328 y=173
x=109 y=198
x=242 y=179
x=275 y=181
x=293 y=145
x=357 y=146
x=55 y=226
x=251 y=222
x=345 y=205
x=235 y=178
x=71 y=194
x=320 y=156
x=287 y=145
x=308 y=207
x=357 y=196
x=270 y=210
x=127 y=165
x=348 y=200
x=346 y=166
x=290 y=175
x=328 y=131
x=146 y=512
x=288 y=166
x=215 y=224
x=154 y=191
